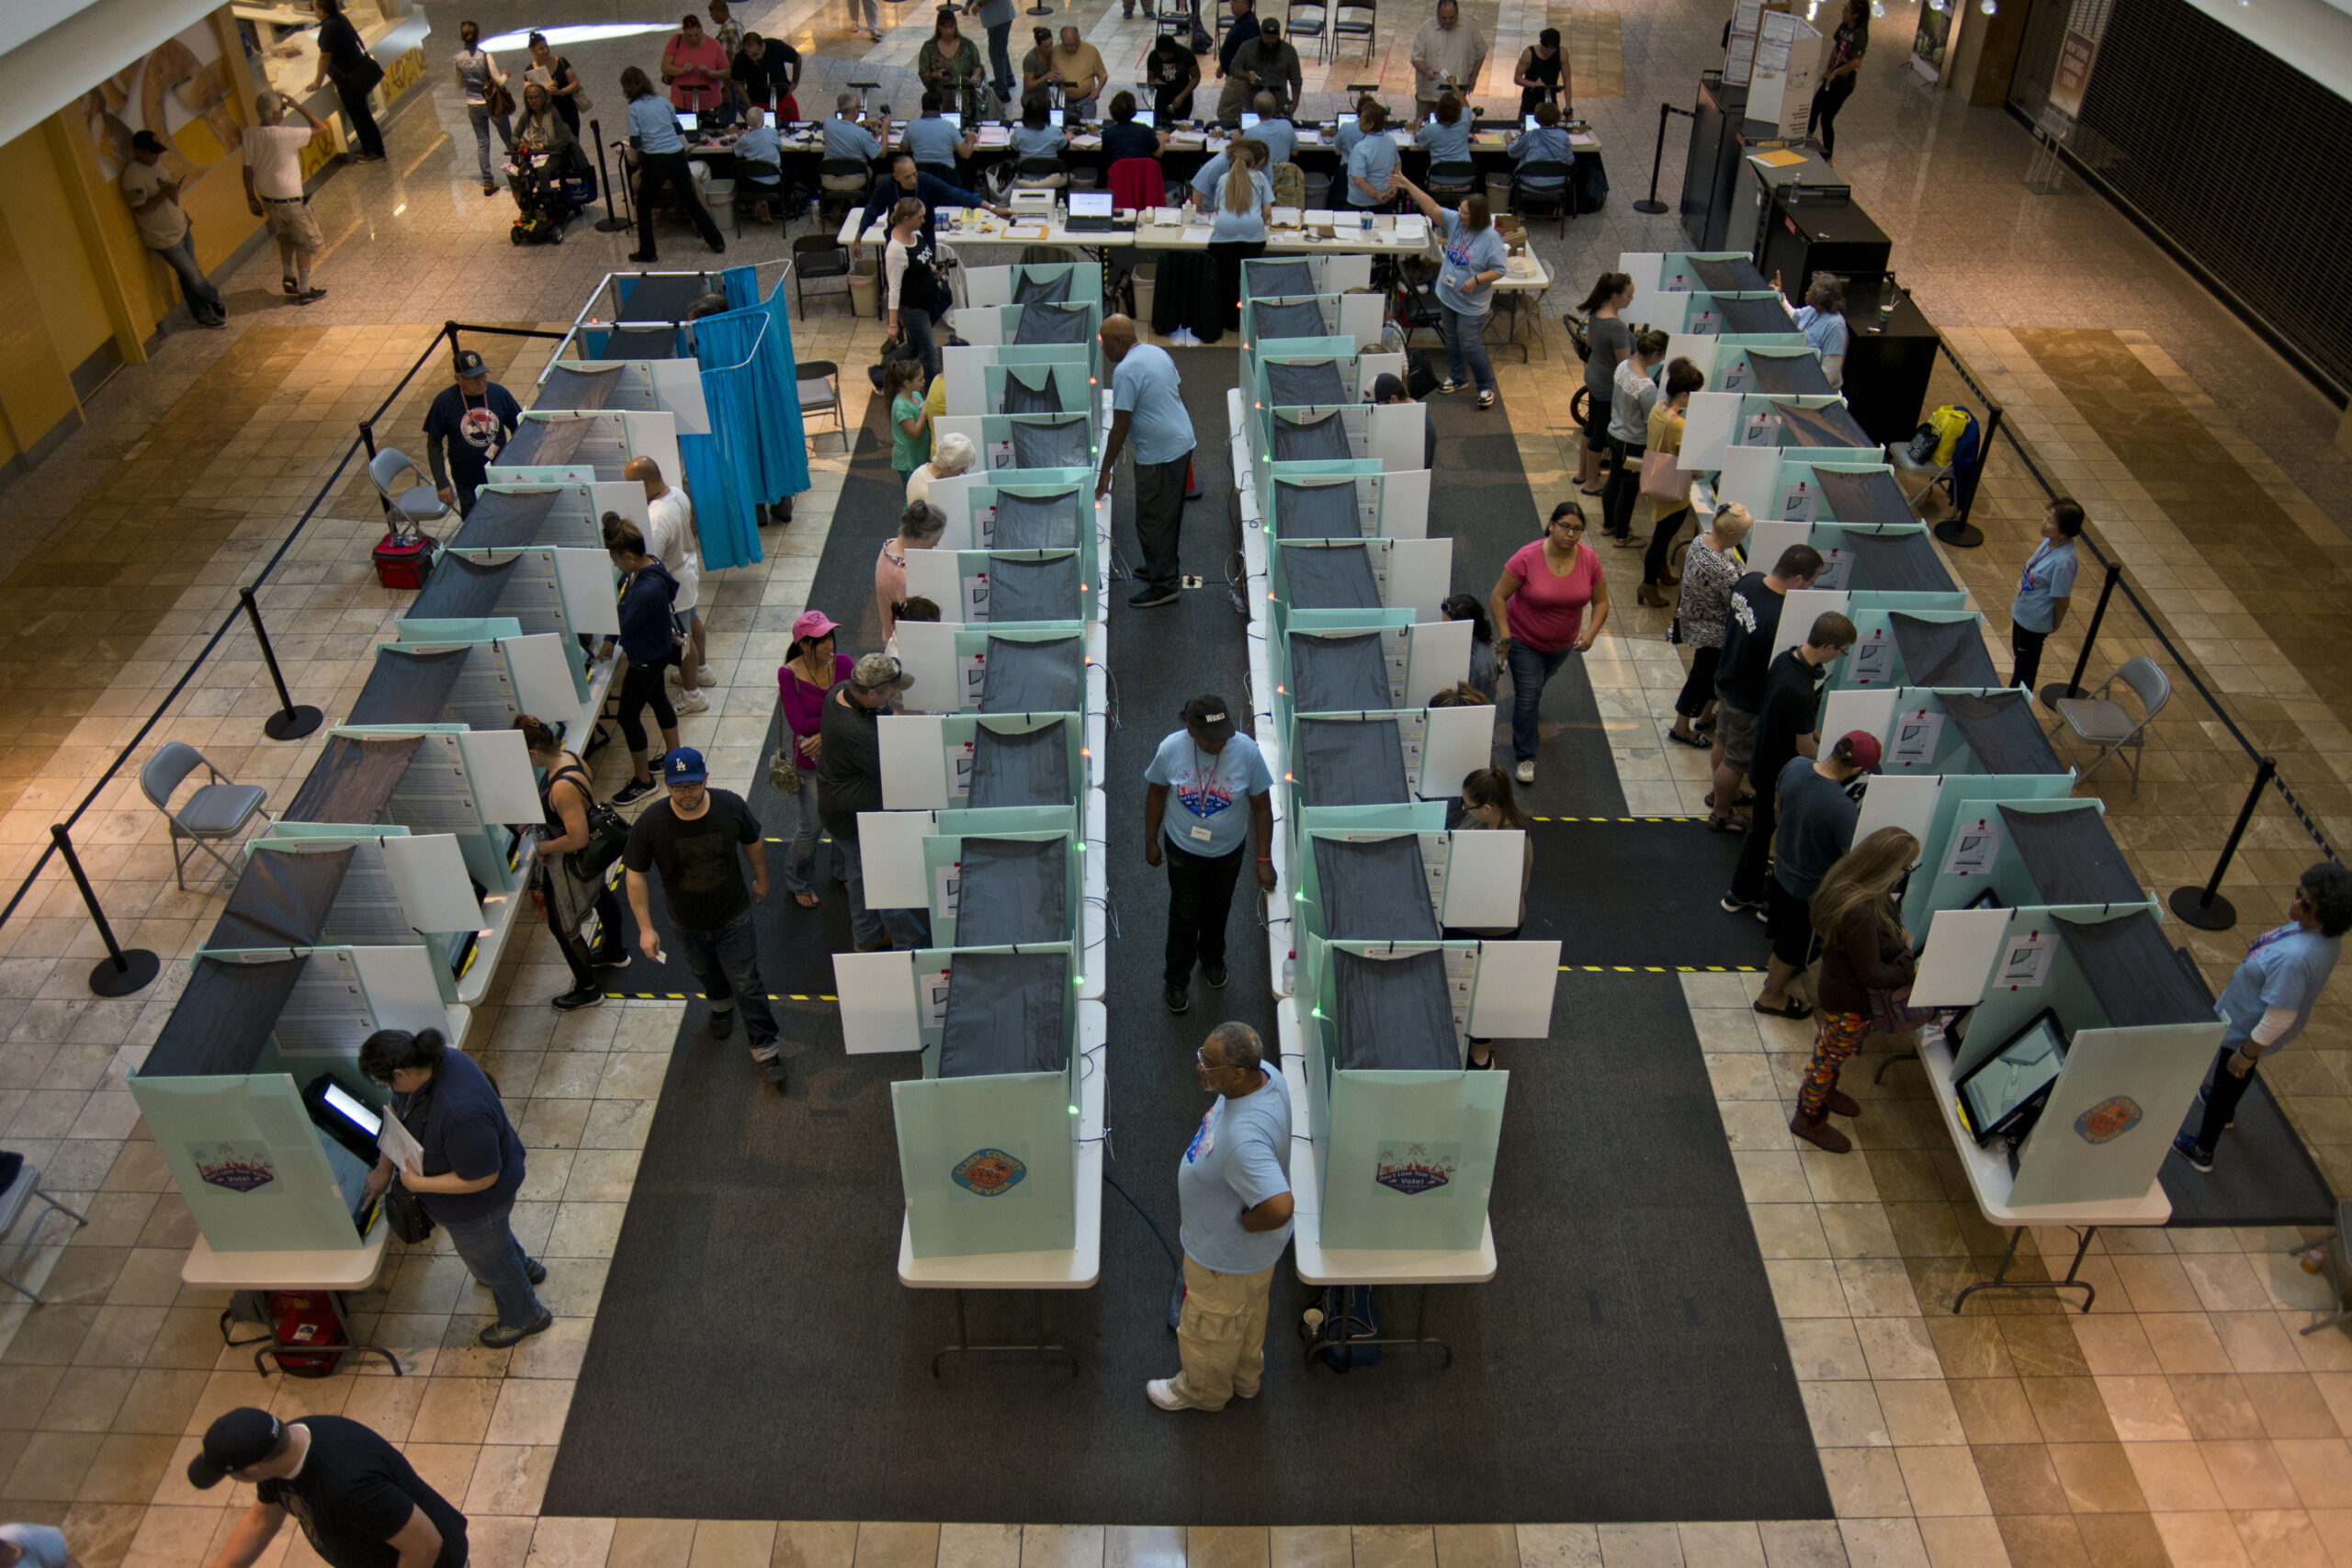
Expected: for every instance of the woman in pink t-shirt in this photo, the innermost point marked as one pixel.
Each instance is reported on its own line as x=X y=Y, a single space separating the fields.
x=1542 y=600
x=810 y=668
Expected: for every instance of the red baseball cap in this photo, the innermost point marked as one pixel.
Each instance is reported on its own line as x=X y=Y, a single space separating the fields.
x=1864 y=748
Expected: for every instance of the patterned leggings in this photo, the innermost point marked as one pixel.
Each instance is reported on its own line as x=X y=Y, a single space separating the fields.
x=1834 y=1040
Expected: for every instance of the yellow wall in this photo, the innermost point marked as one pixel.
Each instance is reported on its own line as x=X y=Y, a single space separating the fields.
x=74 y=274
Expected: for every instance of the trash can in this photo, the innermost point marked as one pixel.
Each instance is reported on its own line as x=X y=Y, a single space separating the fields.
x=1146 y=280
x=1497 y=192
x=864 y=287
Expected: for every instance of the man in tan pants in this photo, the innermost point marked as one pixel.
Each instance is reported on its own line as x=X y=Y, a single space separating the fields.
x=1233 y=1194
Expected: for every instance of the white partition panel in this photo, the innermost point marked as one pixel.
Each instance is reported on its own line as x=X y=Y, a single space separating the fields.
x=1699 y=348
x=1897 y=800
x=927 y=652
x=586 y=582
x=1708 y=424
x=1482 y=879
x=1770 y=536
x=1440 y=658
x=1869 y=709
x=877 y=1002
x=933 y=574
x=400 y=984
x=1751 y=477
x=889 y=845
x=541 y=665
x=1455 y=743
x=428 y=871
x=1799 y=610
x=1643 y=267
x=1405 y=503
x=499 y=766
x=1420 y=574
x=912 y=748
x=1958 y=957
x=1397 y=434
x=1516 y=979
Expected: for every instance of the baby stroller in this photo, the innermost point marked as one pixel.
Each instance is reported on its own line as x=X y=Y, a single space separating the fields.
x=546 y=199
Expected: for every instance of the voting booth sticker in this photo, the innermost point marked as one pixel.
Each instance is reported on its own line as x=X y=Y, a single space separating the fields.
x=1760 y=430
x=1915 y=735
x=1000 y=453
x=1873 y=662
x=1416 y=1168
x=1973 y=847
x=1833 y=564
x=1799 y=501
x=2025 y=962
x=931 y=992
x=959 y=783
x=976 y=677
x=1704 y=323
x=238 y=1167
x=2109 y=1119
x=1734 y=380
x=989 y=1173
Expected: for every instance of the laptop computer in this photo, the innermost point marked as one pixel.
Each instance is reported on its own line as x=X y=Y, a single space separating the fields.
x=1090 y=211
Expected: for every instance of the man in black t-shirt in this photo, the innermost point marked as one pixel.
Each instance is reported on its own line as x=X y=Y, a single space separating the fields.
x=693 y=838
x=1748 y=632
x=1786 y=728
x=474 y=419
x=767 y=71
x=359 y=1503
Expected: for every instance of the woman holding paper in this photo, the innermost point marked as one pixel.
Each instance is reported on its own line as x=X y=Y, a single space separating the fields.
x=1866 y=971
x=462 y=1159
x=568 y=897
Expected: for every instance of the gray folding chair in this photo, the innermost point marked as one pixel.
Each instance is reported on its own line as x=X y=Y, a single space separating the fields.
x=2104 y=722
x=22 y=1191
x=418 y=502
x=820 y=393
x=220 y=808
x=2335 y=1255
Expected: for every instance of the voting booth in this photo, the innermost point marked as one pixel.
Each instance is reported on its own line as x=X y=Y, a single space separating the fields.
x=1687 y=272
x=1316 y=372
x=1071 y=325
x=1915 y=648
x=484 y=685
x=1891 y=564
x=1029 y=669
x=1267 y=321
x=1282 y=277
x=582 y=449
x=1367 y=660
x=2025 y=855
x=549 y=516
x=1343 y=574
x=1941 y=748
x=1030 y=283
x=1000 y=442
x=1019 y=508
x=1793 y=485
x=1009 y=587
x=1781 y=363
x=1345 y=499
x=1391 y=434
x=1819 y=423
x=990 y=380
x=637 y=386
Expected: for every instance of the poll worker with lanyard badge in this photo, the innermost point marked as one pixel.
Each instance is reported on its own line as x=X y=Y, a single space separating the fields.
x=1233 y=1194
x=2270 y=998
x=2044 y=589
x=473 y=420
x=1148 y=403
x=1211 y=771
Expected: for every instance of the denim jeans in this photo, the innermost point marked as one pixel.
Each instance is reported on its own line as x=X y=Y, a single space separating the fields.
x=917 y=326
x=203 y=300
x=484 y=121
x=1465 y=340
x=1530 y=668
x=496 y=1260
x=726 y=962
x=802 y=827
x=907 y=927
x=1001 y=59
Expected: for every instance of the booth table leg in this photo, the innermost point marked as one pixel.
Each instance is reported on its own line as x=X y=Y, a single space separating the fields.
x=2001 y=1281
x=1040 y=1346
x=271 y=1345
x=1332 y=1334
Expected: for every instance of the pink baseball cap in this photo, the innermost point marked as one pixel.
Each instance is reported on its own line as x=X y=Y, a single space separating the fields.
x=812 y=625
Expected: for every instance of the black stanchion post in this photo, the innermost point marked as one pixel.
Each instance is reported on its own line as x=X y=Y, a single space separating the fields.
x=2073 y=683
x=289 y=722
x=1651 y=204
x=121 y=972
x=449 y=331
x=611 y=222
x=368 y=440
x=2204 y=908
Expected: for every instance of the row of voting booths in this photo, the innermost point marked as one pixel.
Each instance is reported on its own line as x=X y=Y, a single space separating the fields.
x=385 y=892
x=1378 y=994
x=2079 y=1034
x=994 y=816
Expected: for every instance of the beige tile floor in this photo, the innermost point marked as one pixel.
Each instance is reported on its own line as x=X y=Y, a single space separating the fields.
x=2184 y=1421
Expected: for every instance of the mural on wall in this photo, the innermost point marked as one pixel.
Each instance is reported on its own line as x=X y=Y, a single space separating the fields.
x=181 y=90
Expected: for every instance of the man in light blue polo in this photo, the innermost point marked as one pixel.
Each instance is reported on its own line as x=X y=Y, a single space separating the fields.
x=1147 y=404
x=2270 y=998
x=1233 y=1194
x=1274 y=129
x=935 y=143
x=846 y=139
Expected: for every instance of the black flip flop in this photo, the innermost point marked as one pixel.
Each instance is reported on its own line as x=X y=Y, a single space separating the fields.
x=1726 y=825
x=1796 y=1010
x=1701 y=742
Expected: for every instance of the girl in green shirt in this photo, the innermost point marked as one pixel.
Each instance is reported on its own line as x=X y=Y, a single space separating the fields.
x=910 y=424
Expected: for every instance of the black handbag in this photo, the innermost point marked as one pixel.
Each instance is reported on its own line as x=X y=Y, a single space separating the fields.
x=404 y=1212
x=607 y=836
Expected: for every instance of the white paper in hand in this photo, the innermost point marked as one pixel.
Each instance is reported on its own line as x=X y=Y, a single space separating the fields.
x=399 y=1144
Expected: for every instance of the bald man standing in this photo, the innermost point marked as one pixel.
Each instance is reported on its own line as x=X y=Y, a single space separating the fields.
x=1148 y=403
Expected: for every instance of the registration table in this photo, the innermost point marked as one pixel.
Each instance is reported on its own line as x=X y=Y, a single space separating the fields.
x=1990 y=1181
x=1389 y=235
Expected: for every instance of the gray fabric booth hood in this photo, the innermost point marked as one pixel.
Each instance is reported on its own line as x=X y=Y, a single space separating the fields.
x=2072 y=856
x=568 y=387
x=1738 y=276
x=1871 y=497
x=503 y=522
x=1898 y=563
x=1323 y=440
x=662 y=296
x=1031 y=389
x=1832 y=424
x=1027 y=768
x=1276 y=279
x=1054 y=324
x=354 y=779
x=1342 y=674
x=545 y=443
x=1942 y=653
x=1395 y=1014
x=1033 y=677
x=1288 y=317
x=1014 y=891
x=1051 y=442
x=1034 y=589
x=223 y=1018
x=409 y=688
x=643 y=343
x=1329 y=576
x=1790 y=374
x=282 y=900
x=1305 y=383
x=1041 y=286
x=460 y=590
x=1374 y=890
x=1004 y=1013
x=2001 y=732
x=2134 y=972
x=1316 y=510
x=1038 y=521
x=1352 y=761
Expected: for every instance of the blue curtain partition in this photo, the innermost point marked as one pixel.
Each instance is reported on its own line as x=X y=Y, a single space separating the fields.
x=756 y=451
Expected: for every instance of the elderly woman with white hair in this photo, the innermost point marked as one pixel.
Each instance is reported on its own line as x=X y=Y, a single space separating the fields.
x=951 y=457
x=920 y=528
x=1702 y=611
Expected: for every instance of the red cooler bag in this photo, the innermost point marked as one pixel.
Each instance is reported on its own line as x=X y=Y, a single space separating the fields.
x=405 y=561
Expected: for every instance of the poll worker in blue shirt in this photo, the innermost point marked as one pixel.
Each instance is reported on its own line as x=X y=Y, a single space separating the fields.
x=846 y=137
x=1548 y=143
x=1274 y=129
x=2044 y=589
x=1202 y=784
x=1822 y=318
x=935 y=143
x=1209 y=178
x=1148 y=406
x=2270 y=998
x=1446 y=133
x=661 y=160
x=1475 y=260
x=1233 y=1195
x=904 y=180
x=1372 y=165
x=1350 y=132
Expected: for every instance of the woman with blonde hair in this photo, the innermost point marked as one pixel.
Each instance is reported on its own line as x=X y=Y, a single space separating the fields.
x=1245 y=205
x=1866 y=967
x=1708 y=572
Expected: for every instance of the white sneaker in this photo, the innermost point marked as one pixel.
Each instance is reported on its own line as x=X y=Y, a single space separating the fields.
x=703 y=677
x=1451 y=386
x=691 y=701
x=1524 y=772
x=1162 y=1392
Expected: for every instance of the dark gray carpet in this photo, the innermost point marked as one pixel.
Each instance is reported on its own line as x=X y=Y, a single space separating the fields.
x=2262 y=1175
x=755 y=1356
x=1663 y=877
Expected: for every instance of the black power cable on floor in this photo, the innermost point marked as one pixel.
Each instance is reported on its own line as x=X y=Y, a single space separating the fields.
x=1176 y=1295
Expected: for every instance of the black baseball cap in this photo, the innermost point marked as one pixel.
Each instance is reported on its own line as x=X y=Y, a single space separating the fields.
x=243 y=1437
x=469 y=364
x=1209 y=717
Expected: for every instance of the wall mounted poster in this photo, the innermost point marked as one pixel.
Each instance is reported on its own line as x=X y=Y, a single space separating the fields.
x=181 y=90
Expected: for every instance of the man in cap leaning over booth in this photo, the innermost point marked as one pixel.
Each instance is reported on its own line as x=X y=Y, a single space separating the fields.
x=359 y=1503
